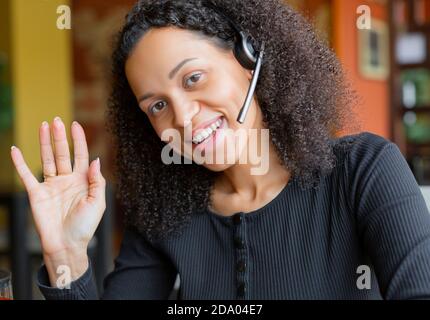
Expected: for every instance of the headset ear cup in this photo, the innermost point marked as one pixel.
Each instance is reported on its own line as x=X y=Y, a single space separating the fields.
x=244 y=52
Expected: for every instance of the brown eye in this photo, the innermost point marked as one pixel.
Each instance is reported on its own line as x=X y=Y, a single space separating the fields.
x=192 y=80
x=157 y=107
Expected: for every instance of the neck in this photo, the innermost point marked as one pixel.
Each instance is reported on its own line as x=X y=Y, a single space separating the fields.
x=239 y=178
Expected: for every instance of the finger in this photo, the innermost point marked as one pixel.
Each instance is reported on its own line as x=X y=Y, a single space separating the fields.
x=62 y=152
x=30 y=182
x=97 y=184
x=80 y=148
x=46 y=154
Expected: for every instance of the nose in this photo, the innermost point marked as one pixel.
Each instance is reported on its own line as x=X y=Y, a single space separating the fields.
x=184 y=111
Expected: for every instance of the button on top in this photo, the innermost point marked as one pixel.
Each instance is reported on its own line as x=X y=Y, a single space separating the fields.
x=241 y=289
x=237 y=218
x=238 y=242
x=241 y=266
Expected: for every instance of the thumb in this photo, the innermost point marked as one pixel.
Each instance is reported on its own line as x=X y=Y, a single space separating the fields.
x=97 y=184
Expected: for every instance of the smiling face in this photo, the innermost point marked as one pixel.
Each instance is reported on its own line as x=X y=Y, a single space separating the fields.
x=185 y=82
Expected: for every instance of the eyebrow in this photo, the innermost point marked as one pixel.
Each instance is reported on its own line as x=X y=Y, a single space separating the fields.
x=171 y=75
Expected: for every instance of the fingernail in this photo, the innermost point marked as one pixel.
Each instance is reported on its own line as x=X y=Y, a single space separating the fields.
x=13 y=147
x=74 y=123
x=98 y=163
x=57 y=119
x=98 y=167
x=44 y=124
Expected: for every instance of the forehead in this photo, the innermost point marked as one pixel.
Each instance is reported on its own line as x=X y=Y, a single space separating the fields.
x=161 y=48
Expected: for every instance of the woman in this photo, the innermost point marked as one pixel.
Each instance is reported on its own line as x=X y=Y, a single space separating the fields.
x=331 y=218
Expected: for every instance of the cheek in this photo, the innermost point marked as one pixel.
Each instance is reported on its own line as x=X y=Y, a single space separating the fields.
x=228 y=90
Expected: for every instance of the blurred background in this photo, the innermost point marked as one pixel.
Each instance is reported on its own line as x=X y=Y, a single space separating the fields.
x=47 y=72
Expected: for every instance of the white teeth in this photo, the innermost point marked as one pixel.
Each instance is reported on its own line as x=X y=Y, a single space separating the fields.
x=204 y=134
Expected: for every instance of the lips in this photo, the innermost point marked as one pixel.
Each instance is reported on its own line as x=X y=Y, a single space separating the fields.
x=207 y=132
x=204 y=125
x=211 y=142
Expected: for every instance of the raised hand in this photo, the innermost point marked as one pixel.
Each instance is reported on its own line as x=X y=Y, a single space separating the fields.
x=69 y=204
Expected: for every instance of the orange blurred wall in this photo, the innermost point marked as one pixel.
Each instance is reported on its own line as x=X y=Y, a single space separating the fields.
x=374 y=112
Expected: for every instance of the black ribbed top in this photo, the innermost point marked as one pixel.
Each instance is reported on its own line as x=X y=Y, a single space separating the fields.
x=304 y=244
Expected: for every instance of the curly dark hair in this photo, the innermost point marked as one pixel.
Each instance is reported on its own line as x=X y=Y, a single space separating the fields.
x=303 y=93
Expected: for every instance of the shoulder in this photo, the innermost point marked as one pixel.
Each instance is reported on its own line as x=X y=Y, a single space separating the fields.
x=373 y=165
x=362 y=149
x=363 y=142
x=366 y=160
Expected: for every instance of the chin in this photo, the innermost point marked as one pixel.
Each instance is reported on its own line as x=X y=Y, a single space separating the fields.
x=217 y=167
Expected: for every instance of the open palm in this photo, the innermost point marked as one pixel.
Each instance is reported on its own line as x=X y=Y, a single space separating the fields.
x=68 y=206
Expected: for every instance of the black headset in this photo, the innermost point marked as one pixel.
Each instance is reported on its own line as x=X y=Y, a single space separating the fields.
x=247 y=56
